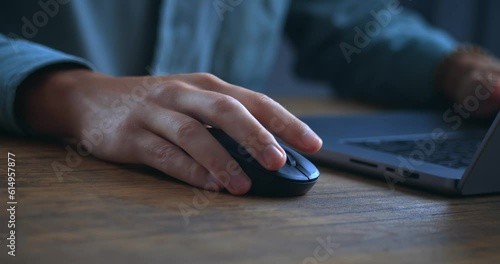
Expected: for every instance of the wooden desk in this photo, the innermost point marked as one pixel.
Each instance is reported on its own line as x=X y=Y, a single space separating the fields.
x=106 y=213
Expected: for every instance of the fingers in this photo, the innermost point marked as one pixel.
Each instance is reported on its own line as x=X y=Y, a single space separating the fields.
x=162 y=155
x=279 y=121
x=192 y=138
x=185 y=103
x=269 y=113
x=473 y=83
x=479 y=93
x=228 y=114
x=488 y=92
x=491 y=83
x=491 y=105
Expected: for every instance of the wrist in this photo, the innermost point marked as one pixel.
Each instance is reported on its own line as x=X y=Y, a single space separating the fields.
x=47 y=103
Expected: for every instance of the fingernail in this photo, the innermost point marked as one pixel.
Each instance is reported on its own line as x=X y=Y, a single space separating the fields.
x=310 y=139
x=239 y=184
x=271 y=155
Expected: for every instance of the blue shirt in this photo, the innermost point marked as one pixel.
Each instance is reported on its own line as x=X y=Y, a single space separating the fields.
x=371 y=50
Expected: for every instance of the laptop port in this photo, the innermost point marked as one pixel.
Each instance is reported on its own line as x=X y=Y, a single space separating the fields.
x=364 y=163
x=390 y=169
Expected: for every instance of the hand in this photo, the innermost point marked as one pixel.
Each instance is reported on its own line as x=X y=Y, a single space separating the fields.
x=161 y=122
x=472 y=80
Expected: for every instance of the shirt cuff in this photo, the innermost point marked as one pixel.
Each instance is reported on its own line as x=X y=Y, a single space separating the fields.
x=17 y=64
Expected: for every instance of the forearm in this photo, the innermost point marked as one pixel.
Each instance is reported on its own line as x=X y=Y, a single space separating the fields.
x=391 y=65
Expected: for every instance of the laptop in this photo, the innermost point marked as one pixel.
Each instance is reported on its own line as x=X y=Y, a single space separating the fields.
x=443 y=153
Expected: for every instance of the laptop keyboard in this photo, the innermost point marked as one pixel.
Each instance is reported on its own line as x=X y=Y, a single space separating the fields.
x=453 y=153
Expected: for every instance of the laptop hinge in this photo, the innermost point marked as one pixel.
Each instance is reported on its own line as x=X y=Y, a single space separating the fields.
x=483 y=176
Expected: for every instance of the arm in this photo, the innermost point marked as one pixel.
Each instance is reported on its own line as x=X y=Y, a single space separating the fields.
x=368 y=50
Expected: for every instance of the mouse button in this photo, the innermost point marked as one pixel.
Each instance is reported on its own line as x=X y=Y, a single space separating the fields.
x=290 y=160
x=291 y=173
x=303 y=162
x=312 y=173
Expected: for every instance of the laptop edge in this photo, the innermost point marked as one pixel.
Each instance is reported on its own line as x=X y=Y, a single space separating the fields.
x=478 y=178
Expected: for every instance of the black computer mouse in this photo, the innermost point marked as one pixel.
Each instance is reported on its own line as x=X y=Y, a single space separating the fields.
x=295 y=178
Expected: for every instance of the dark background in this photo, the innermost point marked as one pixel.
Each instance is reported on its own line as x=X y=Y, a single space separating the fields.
x=469 y=21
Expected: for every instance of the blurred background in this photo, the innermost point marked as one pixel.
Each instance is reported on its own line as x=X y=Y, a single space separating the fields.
x=469 y=21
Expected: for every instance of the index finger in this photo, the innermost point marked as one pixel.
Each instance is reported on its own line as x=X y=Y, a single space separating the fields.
x=273 y=116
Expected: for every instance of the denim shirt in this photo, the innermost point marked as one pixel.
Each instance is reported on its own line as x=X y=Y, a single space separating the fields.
x=374 y=50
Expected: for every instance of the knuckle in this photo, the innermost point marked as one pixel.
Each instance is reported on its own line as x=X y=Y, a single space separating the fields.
x=164 y=152
x=213 y=163
x=263 y=101
x=169 y=89
x=258 y=139
x=174 y=84
x=225 y=103
x=209 y=78
x=197 y=171
x=186 y=130
x=213 y=185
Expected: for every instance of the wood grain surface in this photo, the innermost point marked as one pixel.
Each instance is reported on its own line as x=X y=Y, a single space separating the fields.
x=108 y=213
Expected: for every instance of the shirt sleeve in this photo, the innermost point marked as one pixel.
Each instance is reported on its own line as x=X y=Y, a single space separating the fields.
x=19 y=59
x=377 y=51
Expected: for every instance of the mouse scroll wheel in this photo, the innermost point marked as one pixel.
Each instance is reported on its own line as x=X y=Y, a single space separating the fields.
x=290 y=160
